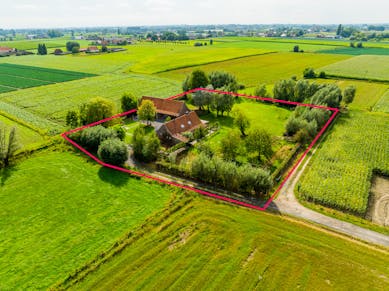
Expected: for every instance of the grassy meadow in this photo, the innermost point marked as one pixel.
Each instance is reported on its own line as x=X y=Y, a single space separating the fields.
x=383 y=104
x=203 y=244
x=362 y=67
x=59 y=210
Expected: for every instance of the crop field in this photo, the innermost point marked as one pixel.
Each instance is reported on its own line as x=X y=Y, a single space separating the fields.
x=58 y=211
x=25 y=135
x=363 y=67
x=267 y=68
x=33 y=44
x=53 y=101
x=20 y=77
x=341 y=170
x=383 y=104
x=357 y=51
x=204 y=245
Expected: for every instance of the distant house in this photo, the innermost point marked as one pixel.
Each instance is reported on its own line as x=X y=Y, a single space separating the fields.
x=172 y=131
x=167 y=108
x=58 y=52
x=6 y=51
x=93 y=49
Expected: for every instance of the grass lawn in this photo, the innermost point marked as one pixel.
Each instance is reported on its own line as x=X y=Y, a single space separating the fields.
x=25 y=135
x=207 y=245
x=267 y=69
x=366 y=67
x=59 y=210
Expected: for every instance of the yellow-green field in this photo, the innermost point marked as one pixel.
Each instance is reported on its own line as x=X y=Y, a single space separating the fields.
x=267 y=69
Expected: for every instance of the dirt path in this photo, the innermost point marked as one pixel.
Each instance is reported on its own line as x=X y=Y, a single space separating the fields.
x=287 y=203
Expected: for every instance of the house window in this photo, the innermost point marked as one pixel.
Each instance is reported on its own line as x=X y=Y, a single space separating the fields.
x=182 y=126
x=190 y=122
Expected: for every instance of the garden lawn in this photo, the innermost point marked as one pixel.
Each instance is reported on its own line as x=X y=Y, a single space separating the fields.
x=208 y=245
x=267 y=69
x=270 y=117
x=363 y=67
x=59 y=210
x=25 y=135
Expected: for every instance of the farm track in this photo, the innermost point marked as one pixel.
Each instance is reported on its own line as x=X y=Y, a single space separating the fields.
x=287 y=203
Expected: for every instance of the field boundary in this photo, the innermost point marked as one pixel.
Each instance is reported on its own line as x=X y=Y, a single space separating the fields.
x=334 y=111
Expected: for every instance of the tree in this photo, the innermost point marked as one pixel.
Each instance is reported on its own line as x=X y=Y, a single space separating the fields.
x=309 y=73
x=240 y=120
x=147 y=111
x=92 y=137
x=119 y=131
x=42 y=50
x=301 y=91
x=197 y=79
x=329 y=95
x=296 y=49
x=75 y=50
x=8 y=146
x=349 y=94
x=222 y=103
x=284 y=89
x=96 y=109
x=359 y=45
x=151 y=147
x=220 y=79
x=352 y=44
x=339 y=30
x=113 y=151
x=138 y=141
x=72 y=118
x=72 y=44
x=259 y=141
x=260 y=90
x=230 y=145
x=128 y=102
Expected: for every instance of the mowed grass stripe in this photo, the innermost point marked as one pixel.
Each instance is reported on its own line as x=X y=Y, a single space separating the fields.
x=221 y=241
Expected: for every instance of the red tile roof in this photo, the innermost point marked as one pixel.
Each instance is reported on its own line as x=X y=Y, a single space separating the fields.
x=184 y=123
x=5 y=49
x=168 y=107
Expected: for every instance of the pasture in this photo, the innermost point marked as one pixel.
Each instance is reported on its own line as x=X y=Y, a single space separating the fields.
x=59 y=210
x=267 y=69
x=361 y=67
x=341 y=170
x=357 y=51
x=203 y=244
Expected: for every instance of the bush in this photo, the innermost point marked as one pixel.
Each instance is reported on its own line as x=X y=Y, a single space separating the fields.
x=96 y=109
x=92 y=137
x=113 y=151
x=119 y=132
x=309 y=73
x=322 y=75
x=128 y=102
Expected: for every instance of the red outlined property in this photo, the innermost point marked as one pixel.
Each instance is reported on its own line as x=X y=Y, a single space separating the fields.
x=334 y=111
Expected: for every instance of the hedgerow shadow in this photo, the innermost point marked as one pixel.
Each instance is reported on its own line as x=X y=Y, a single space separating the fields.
x=5 y=174
x=113 y=177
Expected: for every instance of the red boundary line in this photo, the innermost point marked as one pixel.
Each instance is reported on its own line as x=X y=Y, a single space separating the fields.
x=205 y=193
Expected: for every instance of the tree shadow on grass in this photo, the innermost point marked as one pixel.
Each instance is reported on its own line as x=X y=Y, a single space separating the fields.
x=5 y=174
x=113 y=177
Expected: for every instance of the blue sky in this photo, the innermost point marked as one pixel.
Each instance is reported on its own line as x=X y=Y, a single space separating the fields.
x=72 y=13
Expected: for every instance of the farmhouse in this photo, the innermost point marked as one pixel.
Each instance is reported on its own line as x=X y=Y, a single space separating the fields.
x=172 y=131
x=6 y=51
x=92 y=49
x=167 y=108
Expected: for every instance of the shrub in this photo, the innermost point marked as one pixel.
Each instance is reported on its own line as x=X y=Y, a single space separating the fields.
x=322 y=75
x=113 y=151
x=92 y=137
x=309 y=73
x=119 y=132
x=128 y=102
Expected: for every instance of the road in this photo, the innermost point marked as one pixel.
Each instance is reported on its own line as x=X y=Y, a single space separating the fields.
x=287 y=203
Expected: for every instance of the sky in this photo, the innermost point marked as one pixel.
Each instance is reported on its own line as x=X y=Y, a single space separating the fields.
x=87 y=13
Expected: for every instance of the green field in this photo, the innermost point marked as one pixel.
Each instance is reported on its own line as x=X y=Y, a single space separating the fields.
x=14 y=77
x=33 y=44
x=25 y=135
x=207 y=245
x=267 y=69
x=341 y=170
x=383 y=104
x=357 y=51
x=53 y=101
x=363 y=67
x=59 y=210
